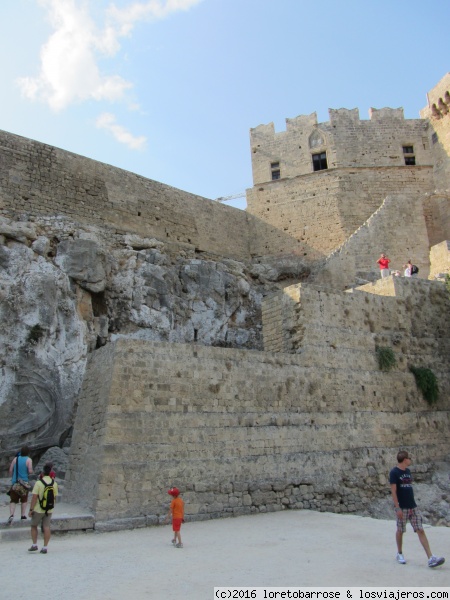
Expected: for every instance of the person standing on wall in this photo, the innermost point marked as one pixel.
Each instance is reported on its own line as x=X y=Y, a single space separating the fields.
x=383 y=262
x=20 y=468
x=406 y=509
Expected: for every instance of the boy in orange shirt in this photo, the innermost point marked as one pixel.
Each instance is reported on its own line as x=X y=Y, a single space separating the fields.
x=176 y=510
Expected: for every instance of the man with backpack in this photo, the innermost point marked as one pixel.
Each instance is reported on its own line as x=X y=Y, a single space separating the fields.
x=42 y=504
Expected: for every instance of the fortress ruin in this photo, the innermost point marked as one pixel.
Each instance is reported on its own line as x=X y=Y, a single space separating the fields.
x=172 y=340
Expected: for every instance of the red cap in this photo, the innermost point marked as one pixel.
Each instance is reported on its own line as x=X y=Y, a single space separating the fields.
x=174 y=491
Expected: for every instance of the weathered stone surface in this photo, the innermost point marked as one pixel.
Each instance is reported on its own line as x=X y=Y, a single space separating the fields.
x=60 y=300
x=59 y=459
x=84 y=261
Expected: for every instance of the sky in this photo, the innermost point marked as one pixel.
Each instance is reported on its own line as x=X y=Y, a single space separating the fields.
x=169 y=89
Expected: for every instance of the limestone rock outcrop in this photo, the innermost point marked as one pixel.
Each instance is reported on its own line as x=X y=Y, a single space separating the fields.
x=66 y=289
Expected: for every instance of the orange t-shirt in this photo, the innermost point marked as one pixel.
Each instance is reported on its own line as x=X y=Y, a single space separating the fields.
x=177 y=508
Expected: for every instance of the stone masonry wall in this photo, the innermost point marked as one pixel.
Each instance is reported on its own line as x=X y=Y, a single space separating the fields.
x=39 y=179
x=438 y=114
x=397 y=228
x=242 y=432
x=436 y=208
x=317 y=212
x=347 y=140
x=330 y=328
x=440 y=259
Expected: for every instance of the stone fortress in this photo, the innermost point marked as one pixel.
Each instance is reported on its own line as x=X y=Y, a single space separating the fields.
x=164 y=339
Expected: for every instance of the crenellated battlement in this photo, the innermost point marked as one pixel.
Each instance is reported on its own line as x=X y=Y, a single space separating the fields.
x=338 y=116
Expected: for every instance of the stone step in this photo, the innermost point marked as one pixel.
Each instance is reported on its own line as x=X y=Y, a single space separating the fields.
x=67 y=518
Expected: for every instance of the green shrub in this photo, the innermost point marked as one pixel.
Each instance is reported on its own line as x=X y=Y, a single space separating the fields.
x=386 y=358
x=447 y=281
x=427 y=383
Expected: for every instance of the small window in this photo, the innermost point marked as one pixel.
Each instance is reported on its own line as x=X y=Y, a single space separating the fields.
x=434 y=138
x=275 y=170
x=320 y=161
x=408 y=152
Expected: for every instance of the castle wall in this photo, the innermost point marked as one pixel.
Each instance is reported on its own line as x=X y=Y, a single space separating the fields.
x=436 y=208
x=438 y=114
x=397 y=228
x=318 y=212
x=39 y=179
x=440 y=259
x=348 y=141
x=242 y=432
x=327 y=328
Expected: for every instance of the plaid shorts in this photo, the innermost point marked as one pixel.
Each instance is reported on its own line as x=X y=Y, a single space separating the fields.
x=413 y=516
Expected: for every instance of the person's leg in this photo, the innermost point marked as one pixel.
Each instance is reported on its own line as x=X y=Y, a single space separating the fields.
x=47 y=531
x=23 y=506
x=401 y=528
x=35 y=521
x=34 y=534
x=399 y=540
x=13 y=500
x=424 y=541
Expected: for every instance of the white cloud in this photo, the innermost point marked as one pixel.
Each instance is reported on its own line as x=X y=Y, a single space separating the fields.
x=69 y=71
x=108 y=121
x=152 y=10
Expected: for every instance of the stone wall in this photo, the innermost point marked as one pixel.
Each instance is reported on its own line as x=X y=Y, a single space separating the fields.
x=347 y=140
x=38 y=179
x=317 y=212
x=246 y=431
x=397 y=228
x=338 y=329
x=438 y=113
x=440 y=259
x=436 y=209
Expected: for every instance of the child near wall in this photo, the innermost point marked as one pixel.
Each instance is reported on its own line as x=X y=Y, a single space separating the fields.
x=176 y=511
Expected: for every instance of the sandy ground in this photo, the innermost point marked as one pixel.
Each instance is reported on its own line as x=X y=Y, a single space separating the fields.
x=292 y=548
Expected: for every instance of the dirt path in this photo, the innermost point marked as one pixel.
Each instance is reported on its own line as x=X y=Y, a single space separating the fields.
x=298 y=548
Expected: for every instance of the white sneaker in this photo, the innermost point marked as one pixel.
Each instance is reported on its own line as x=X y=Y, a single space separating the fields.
x=401 y=559
x=435 y=561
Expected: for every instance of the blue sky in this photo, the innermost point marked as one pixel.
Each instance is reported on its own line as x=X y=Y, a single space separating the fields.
x=169 y=89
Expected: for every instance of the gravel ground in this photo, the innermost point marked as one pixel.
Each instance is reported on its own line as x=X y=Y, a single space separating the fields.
x=291 y=548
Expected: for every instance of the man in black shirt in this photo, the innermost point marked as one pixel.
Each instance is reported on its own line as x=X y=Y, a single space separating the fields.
x=406 y=509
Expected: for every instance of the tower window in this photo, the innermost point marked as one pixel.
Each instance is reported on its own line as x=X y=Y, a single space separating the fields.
x=320 y=161
x=275 y=170
x=408 y=153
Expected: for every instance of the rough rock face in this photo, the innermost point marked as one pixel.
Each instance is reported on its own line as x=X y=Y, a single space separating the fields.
x=66 y=289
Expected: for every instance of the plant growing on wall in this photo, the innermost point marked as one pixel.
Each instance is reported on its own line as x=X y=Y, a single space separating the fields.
x=386 y=358
x=427 y=383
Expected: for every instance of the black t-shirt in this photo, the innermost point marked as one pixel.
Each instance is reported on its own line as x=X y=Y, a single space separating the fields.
x=405 y=493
